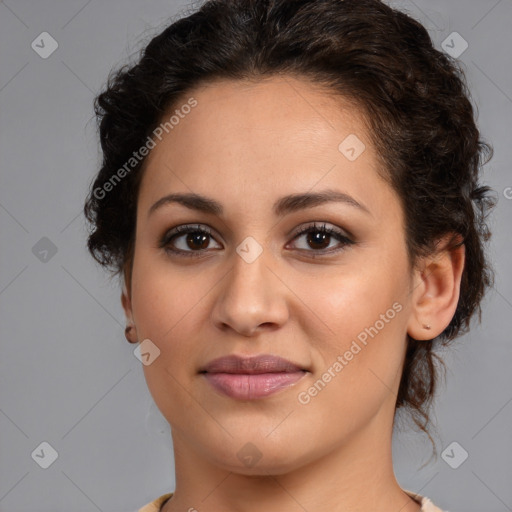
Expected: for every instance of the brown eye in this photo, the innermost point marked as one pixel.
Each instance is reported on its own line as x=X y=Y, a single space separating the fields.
x=187 y=240
x=197 y=240
x=318 y=239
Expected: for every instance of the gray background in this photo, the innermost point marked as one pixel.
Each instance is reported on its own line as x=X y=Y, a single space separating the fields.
x=67 y=375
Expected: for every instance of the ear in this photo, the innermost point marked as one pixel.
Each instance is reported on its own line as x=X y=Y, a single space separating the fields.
x=126 y=302
x=436 y=288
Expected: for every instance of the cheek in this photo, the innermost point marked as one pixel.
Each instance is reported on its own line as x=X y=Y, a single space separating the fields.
x=169 y=311
x=351 y=300
x=360 y=353
x=163 y=299
x=166 y=309
x=359 y=372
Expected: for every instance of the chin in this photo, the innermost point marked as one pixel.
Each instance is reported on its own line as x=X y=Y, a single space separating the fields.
x=260 y=460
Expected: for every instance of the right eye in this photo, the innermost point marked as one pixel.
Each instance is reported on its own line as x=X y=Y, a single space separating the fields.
x=187 y=240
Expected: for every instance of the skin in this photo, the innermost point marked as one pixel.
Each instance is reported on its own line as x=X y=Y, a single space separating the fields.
x=247 y=144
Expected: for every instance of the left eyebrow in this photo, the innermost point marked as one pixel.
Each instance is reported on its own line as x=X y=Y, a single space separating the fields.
x=281 y=207
x=294 y=202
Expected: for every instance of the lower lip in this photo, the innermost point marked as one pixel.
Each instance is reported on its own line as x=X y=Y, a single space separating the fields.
x=251 y=387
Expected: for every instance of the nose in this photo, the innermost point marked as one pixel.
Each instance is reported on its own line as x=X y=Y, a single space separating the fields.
x=251 y=298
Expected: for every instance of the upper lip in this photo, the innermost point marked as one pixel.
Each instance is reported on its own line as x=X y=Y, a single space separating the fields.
x=265 y=363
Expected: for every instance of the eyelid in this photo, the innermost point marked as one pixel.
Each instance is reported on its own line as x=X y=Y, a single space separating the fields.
x=184 y=229
x=321 y=226
x=344 y=239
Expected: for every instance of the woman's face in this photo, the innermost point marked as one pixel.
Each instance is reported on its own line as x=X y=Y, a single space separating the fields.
x=337 y=308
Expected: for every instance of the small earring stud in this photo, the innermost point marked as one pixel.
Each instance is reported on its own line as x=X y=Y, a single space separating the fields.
x=426 y=326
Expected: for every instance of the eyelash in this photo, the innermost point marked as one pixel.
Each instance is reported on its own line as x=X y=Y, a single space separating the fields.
x=185 y=229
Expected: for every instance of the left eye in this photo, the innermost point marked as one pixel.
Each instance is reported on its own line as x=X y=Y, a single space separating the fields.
x=195 y=240
x=320 y=238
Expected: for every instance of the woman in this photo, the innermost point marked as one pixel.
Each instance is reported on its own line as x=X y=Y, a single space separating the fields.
x=289 y=191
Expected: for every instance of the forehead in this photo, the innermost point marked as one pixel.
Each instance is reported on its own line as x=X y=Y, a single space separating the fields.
x=257 y=137
x=276 y=109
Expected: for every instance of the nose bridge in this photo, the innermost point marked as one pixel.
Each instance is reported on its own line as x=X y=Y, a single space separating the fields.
x=251 y=294
x=250 y=272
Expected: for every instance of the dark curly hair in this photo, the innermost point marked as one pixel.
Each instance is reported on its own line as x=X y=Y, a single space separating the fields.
x=413 y=98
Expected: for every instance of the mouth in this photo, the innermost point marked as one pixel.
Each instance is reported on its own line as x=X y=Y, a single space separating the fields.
x=250 y=378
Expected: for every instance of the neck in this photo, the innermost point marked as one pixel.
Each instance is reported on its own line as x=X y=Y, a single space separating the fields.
x=356 y=476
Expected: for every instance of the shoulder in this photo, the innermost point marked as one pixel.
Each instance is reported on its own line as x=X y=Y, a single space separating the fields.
x=426 y=503
x=155 y=505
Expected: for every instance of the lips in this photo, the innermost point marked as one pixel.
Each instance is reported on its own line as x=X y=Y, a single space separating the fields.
x=265 y=363
x=249 y=378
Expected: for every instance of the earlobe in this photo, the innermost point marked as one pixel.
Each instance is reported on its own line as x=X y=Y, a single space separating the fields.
x=436 y=289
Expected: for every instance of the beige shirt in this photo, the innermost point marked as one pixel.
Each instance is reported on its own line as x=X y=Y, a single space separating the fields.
x=426 y=504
